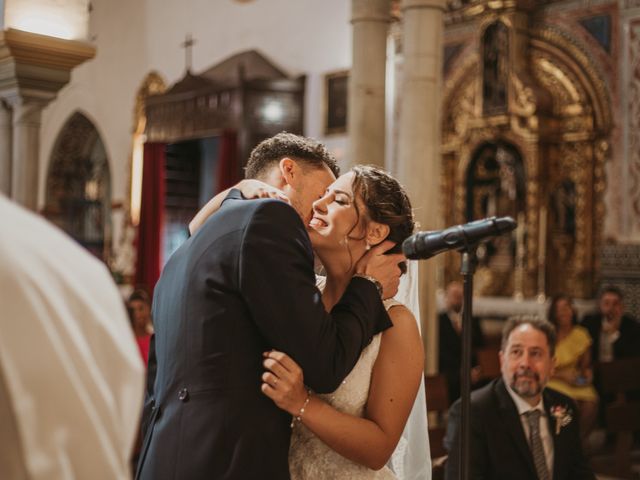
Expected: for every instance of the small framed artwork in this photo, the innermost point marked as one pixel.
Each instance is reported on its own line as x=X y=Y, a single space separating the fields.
x=336 y=86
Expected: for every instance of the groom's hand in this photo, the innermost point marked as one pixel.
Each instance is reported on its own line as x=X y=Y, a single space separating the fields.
x=384 y=268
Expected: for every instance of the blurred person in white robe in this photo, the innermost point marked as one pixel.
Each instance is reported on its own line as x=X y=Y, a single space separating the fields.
x=71 y=377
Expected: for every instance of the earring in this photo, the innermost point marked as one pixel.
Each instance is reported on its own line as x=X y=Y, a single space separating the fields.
x=368 y=247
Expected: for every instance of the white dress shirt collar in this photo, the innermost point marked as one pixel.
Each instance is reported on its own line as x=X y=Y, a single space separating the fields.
x=522 y=405
x=545 y=432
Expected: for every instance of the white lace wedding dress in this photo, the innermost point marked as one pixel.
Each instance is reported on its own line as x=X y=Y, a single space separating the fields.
x=309 y=457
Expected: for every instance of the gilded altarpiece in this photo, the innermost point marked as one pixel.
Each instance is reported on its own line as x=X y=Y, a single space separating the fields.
x=633 y=116
x=557 y=122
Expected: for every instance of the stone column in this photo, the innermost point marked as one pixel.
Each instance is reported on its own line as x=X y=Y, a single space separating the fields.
x=26 y=149
x=419 y=161
x=5 y=149
x=366 y=106
x=35 y=68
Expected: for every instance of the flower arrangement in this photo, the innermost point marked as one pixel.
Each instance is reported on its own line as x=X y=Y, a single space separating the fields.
x=563 y=416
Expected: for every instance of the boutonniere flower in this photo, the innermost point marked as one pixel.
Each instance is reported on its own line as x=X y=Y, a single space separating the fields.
x=563 y=416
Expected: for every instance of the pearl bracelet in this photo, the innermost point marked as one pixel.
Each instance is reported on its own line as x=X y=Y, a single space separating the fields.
x=298 y=418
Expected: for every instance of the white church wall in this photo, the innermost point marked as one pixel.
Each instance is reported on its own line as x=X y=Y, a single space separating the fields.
x=300 y=36
x=623 y=192
x=133 y=38
x=104 y=89
x=66 y=19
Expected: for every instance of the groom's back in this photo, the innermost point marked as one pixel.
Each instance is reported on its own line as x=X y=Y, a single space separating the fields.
x=210 y=419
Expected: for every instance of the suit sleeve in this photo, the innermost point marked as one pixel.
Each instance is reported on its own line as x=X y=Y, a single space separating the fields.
x=579 y=467
x=278 y=284
x=476 y=333
x=449 y=356
x=477 y=444
x=149 y=397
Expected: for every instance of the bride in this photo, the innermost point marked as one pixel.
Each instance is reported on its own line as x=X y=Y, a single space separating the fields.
x=353 y=432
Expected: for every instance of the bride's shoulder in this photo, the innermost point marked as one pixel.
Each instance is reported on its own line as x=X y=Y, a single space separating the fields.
x=404 y=336
x=401 y=317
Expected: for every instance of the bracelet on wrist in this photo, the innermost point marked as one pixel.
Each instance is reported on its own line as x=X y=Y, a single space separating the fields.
x=298 y=418
x=372 y=280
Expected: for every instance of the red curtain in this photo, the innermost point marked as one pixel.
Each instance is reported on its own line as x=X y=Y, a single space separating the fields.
x=228 y=168
x=149 y=245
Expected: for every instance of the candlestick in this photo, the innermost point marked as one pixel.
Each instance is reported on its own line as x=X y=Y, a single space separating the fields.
x=542 y=254
x=518 y=294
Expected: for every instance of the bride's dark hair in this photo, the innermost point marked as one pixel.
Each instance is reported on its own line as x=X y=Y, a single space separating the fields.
x=385 y=200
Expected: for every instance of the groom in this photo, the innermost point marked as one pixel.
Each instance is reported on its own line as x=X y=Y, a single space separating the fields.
x=242 y=285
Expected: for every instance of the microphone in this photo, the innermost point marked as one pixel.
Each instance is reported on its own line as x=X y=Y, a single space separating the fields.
x=423 y=245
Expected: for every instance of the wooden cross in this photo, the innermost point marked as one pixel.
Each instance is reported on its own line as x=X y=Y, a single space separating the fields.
x=188 y=50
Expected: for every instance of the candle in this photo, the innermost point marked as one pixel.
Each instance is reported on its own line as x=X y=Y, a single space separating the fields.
x=520 y=239
x=542 y=253
x=542 y=236
x=518 y=293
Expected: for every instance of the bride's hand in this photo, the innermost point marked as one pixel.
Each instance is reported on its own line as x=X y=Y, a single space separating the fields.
x=283 y=382
x=249 y=188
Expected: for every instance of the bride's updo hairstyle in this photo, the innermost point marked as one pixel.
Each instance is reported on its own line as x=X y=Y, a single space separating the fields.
x=386 y=202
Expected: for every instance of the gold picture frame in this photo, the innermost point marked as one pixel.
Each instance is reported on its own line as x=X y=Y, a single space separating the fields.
x=336 y=87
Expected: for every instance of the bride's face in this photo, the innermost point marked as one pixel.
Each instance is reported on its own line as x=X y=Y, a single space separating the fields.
x=336 y=224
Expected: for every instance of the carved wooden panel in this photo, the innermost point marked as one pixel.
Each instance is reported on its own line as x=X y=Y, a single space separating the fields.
x=632 y=150
x=78 y=196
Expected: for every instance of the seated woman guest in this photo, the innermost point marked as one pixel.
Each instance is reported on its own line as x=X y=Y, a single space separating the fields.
x=139 y=306
x=573 y=374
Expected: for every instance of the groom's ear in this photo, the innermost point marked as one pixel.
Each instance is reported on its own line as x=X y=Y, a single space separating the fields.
x=289 y=170
x=377 y=233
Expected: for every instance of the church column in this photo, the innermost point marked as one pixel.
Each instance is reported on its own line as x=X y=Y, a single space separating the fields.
x=5 y=149
x=366 y=108
x=37 y=67
x=419 y=161
x=26 y=150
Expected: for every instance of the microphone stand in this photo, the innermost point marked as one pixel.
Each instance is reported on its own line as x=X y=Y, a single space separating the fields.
x=464 y=238
x=467 y=269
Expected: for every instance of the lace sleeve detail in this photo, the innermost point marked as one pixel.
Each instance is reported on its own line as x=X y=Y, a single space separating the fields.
x=390 y=302
x=398 y=456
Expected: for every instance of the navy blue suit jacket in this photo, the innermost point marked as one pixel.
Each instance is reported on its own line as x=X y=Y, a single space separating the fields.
x=499 y=448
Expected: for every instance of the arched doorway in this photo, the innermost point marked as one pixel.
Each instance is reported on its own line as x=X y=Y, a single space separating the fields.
x=78 y=186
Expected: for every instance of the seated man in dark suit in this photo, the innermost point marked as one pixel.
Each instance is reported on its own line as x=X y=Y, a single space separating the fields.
x=450 y=341
x=518 y=428
x=615 y=334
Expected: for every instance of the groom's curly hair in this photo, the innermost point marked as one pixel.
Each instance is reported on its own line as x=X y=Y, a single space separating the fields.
x=308 y=151
x=386 y=202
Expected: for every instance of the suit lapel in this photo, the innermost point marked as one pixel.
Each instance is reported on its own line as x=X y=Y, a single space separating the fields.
x=512 y=423
x=559 y=446
x=557 y=455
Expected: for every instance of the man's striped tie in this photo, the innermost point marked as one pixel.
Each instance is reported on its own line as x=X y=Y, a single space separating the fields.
x=533 y=417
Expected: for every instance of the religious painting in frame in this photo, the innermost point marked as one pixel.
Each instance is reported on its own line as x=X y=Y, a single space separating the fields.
x=336 y=85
